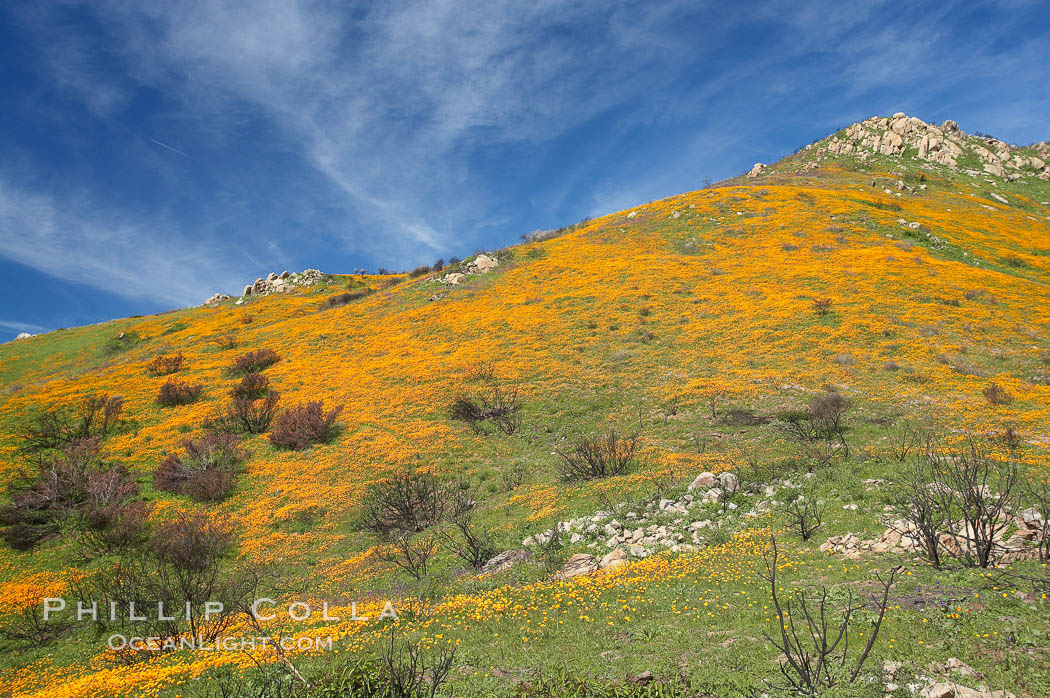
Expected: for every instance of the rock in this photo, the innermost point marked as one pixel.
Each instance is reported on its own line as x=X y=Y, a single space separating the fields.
x=728 y=481
x=482 y=264
x=613 y=559
x=453 y=279
x=703 y=480
x=216 y=298
x=247 y=290
x=505 y=560
x=950 y=126
x=756 y=170
x=284 y=274
x=637 y=550
x=24 y=335
x=1001 y=199
x=580 y=563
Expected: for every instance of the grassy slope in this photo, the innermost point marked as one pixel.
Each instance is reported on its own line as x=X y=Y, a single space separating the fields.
x=602 y=327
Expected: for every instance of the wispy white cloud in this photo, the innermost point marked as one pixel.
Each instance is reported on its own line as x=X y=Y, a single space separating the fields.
x=71 y=238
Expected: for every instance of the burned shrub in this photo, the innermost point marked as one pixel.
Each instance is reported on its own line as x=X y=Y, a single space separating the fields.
x=408 y=502
x=207 y=469
x=598 y=457
x=419 y=271
x=499 y=407
x=820 y=428
x=822 y=306
x=995 y=394
x=96 y=416
x=175 y=392
x=303 y=425
x=255 y=361
x=245 y=415
x=75 y=482
x=164 y=365
x=252 y=387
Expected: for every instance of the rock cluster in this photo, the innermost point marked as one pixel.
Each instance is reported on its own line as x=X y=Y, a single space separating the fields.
x=217 y=298
x=942 y=145
x=1026 y=533
x=661 y=524
x=279 y=283
x=24 y=335
x=482 y=264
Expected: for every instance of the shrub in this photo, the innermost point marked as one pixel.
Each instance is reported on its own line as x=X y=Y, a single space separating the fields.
x=96 y=416
x=252 y=387
x=206 y=471
x=820 y=428
x=164 y=365
x=73 y=482
x=598 y=457
x=175 y=392
x=302 y=425
x=410 y=554
x=183 y=562
x=344 y=298
x=408 y=502
x=498 y=407
x=255 y=361
x=997 y=395
x=419 y=271
x=225 y=341
x=245 y=415
x=822 y=306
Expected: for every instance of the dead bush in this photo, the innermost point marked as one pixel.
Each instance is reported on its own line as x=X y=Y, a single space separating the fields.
x=245 y=415
x=806 y=515
x=303 y=425
x=96 y=416
x=164 y=365
x=499 y=407
x=598 y=457
x=225 y=342
x=822 y=306
x=75 y=482
x=409 y=553
x=175 y=392
x=820 y=428
x=814 y=634
x=255 y=361
x=408 y=502
x=995 y=394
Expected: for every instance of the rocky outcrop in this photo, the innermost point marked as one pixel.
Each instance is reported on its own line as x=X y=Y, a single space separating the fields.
x=283 y=282
x=756 y=170
x=217 y=298
x=944 y=145
x=1026 y=532
x=482 y=264
x=24 y=335
x=505 y=560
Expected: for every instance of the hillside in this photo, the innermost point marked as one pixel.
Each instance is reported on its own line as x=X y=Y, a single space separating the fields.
x=903 y=268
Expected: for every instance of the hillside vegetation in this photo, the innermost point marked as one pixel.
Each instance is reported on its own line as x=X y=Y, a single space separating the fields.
x=818 y=330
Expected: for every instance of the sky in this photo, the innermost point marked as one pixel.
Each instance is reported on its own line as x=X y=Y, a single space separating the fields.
x=153 y=153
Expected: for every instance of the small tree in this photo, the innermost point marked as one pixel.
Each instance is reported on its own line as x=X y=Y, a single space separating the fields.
x=816 y=652
x=409 y=553
x=806 y=516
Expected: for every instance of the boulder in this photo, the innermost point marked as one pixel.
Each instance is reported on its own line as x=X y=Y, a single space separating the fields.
x=482 y=264
x=613 y=559
x=580 y=563
x=703 y=480
x=728 y=481
x=756 y=170
x=24 y=335
x=453 y=279
x=247 y=290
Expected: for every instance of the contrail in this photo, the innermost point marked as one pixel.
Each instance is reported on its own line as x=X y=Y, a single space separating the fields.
x=175 y=150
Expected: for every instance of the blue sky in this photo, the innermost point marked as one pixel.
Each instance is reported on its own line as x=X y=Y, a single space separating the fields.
x=156 y=152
